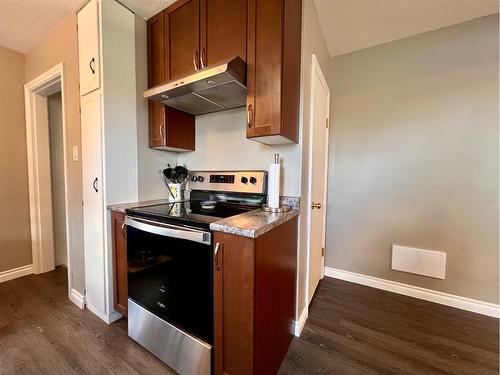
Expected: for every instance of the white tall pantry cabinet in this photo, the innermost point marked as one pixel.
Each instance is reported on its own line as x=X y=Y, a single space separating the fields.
x=106 y=47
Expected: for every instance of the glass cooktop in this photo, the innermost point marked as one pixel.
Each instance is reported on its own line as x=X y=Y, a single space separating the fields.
x=199 y=213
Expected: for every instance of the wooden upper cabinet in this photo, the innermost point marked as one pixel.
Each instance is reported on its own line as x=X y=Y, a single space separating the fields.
x=223 y=30
x=170 y=129
x=156 y=50
x=182 y=24
x=273 y=70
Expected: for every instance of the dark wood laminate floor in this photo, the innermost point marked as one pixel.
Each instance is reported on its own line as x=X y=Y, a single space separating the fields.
x=42 y=332
x=354 y=329
x=351 y=330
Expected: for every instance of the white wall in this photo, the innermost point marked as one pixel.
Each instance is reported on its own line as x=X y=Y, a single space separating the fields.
x=221 y=143
x=57 y=177
x=414 y=157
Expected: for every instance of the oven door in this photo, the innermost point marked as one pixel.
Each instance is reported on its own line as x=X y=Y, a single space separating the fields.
x=170 y=291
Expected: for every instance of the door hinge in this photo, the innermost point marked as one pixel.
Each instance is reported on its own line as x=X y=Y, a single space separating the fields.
x=323 y=252
x=327 y=123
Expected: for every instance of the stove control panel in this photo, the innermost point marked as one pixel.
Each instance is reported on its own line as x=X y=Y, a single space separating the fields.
x=229 y=181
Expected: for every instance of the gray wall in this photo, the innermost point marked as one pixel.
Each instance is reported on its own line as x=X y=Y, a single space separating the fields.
x=57 y=177
x=414 y=157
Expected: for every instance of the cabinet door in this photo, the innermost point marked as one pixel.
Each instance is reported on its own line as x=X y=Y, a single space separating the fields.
x=93 y=205
x=223 y=30
x=273 y=70
x=156 y=124
x=88 y=48
x=233 y=304
x=264 y=68
x=156 y=50
x=120 y=266
x=182 y=22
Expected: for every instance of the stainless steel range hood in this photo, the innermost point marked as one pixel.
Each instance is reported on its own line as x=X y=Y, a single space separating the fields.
x=209 y=90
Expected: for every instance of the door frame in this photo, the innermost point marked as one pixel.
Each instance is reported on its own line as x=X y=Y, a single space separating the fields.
x=38 y=154
x=315 y=70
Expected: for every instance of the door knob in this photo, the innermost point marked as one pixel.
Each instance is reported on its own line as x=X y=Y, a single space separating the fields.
x=316 y=205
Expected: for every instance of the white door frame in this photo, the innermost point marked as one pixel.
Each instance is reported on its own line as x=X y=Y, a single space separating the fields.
x=315 y=71
x=40 y=185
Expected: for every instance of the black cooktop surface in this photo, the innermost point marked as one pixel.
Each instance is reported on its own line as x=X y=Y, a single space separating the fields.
x=199 y=213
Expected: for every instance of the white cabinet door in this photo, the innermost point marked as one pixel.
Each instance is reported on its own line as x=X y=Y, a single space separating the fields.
x=93 y=205
x=88 y=47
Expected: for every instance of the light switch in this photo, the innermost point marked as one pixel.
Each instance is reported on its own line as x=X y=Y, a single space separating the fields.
x=75 y=153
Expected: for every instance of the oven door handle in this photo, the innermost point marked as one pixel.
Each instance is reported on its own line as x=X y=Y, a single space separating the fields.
x=169 y=230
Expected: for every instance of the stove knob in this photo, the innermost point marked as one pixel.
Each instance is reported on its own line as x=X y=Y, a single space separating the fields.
x=200 y=179
x=244 y=180
x=253 y=180
x=194 y=178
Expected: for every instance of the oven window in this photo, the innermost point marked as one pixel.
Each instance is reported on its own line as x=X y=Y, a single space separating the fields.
x=172 y=278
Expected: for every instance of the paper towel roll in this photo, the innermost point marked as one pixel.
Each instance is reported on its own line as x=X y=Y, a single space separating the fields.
x=273 y=184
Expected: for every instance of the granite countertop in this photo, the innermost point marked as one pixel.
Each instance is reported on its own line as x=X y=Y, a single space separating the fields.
x=249 y=224
x=253 y=223
x=121 y=207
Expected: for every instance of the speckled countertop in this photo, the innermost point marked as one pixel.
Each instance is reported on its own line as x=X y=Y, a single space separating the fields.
x=249 y=224
x=253 y=223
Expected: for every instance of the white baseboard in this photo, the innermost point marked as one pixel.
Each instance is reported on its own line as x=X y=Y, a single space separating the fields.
x=480 y=307
x=77 y=298
x=109 y=318
x=299 y=324
x=15 y=273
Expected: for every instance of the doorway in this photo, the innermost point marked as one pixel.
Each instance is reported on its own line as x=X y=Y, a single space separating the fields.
x=48 y=174
x=318 y=172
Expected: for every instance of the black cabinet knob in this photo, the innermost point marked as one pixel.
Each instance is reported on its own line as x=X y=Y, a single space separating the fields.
x=244 y=180
x=194 y=178
x=200 y=179
x=253 y=180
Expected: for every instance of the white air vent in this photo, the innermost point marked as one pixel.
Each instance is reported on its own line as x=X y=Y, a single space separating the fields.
x=419 y=261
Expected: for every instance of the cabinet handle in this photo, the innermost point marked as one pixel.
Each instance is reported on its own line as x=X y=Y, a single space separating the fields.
x=92 y=65
x=94 y=185
x=202 y=57
x=195 y=59
x=162 y=126
x=216 y=255
x=124 y=232
x=249 y=116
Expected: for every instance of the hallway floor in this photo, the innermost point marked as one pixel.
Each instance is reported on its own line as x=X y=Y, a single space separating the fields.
x=351 y=330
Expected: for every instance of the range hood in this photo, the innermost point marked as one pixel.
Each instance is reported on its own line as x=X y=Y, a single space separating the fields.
x=209 y=90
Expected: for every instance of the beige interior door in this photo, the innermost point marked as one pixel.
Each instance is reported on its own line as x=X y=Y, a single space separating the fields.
x=318 y=166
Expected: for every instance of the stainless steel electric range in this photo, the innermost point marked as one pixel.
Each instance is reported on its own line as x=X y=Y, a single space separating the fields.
x=170 y=262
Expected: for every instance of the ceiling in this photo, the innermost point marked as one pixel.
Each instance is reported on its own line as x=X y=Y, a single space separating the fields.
x=351 y=25
x=23 y=23
x=146 y=8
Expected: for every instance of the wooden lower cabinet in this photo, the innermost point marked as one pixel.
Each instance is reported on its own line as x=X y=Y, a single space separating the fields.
x=119 y=262
x=254 y=300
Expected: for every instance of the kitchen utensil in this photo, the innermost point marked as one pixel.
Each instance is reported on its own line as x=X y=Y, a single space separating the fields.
x=182 y=173
x=168 y=173
x=166 y=180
